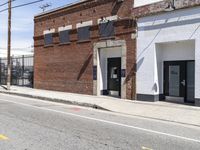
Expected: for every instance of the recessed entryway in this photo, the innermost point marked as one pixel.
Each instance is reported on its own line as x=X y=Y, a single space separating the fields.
x=109 y=71
x=175 y=71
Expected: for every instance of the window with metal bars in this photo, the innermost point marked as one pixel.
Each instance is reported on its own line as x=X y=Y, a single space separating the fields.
x=107 y=29
x=64 y=36
x=84 y=33
x=48 y=39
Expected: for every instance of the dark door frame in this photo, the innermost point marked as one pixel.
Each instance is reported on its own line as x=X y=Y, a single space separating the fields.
x=184 y=75
x=111 y=58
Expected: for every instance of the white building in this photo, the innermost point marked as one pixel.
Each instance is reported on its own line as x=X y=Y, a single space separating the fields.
x=168 y=51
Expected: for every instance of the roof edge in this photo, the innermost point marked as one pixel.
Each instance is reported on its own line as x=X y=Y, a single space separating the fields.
x=79 y=2
x=159 y=7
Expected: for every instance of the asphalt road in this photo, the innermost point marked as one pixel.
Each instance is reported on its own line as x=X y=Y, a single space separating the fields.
x=30 y=124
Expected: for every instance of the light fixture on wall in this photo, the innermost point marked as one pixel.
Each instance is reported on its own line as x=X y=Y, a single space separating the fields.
x=171 y=6
x=103 y=20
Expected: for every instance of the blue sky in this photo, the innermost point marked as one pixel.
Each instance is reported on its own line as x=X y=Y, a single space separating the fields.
x=22 y=25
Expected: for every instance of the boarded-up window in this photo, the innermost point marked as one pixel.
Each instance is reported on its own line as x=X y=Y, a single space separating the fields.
x=48 y=39
x=83 y=33
x=64 y=36
x=107 y=29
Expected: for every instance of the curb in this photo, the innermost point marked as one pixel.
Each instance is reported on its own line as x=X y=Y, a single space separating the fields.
x=94 y=106
x=165 y=120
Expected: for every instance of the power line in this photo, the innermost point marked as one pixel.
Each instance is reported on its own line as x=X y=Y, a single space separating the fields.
x=22 y=5
x=5 y=3
x=28 y=3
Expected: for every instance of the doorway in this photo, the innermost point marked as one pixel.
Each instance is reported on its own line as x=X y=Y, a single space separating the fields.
x=179 y=80
x=114 y=77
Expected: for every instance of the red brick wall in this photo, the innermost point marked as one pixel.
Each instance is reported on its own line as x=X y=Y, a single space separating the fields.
x=77 y=14
x=69 y=67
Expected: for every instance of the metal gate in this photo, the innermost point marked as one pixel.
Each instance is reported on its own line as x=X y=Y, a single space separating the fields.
x=21 y=72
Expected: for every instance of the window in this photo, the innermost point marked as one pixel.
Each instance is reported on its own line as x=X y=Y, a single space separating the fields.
x=64 y=36
x=107 y=29
x=83 y=33
x=48 y=39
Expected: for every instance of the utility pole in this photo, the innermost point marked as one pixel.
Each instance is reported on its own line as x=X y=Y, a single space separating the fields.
x=9 y=46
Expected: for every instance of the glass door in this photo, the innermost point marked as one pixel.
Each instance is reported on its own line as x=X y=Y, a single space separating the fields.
x=175 y=79
x=179 y=80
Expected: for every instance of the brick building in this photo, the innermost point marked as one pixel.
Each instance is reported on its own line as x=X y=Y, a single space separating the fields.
x=86 y=47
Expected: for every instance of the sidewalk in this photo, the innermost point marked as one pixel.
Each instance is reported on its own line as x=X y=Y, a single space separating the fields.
x=158 y=110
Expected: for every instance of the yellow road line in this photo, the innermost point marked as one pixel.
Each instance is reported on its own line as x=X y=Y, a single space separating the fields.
x=146 y=148
x=3 y=137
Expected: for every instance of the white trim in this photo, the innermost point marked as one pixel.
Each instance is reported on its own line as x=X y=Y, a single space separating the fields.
x=84 y=24
x=106 y=19
x=139 y=3
x=64 y=28
x=49 y=31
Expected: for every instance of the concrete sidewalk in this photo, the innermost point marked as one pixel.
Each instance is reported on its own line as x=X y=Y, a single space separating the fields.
x=159 y=110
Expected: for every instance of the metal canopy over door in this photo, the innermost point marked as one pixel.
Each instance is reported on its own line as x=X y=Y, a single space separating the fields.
x=179 y=80
x=114 y=76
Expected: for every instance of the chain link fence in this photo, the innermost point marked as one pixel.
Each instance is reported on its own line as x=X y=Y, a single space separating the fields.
x=21 y=72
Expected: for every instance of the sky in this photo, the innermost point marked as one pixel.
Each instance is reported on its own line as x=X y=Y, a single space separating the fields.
x=22 y=25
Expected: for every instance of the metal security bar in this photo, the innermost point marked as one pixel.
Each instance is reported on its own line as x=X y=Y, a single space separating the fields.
x=21 y=72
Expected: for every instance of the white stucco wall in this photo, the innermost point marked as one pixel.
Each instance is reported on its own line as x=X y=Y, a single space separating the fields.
x=138 y=3
x=180 y=26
